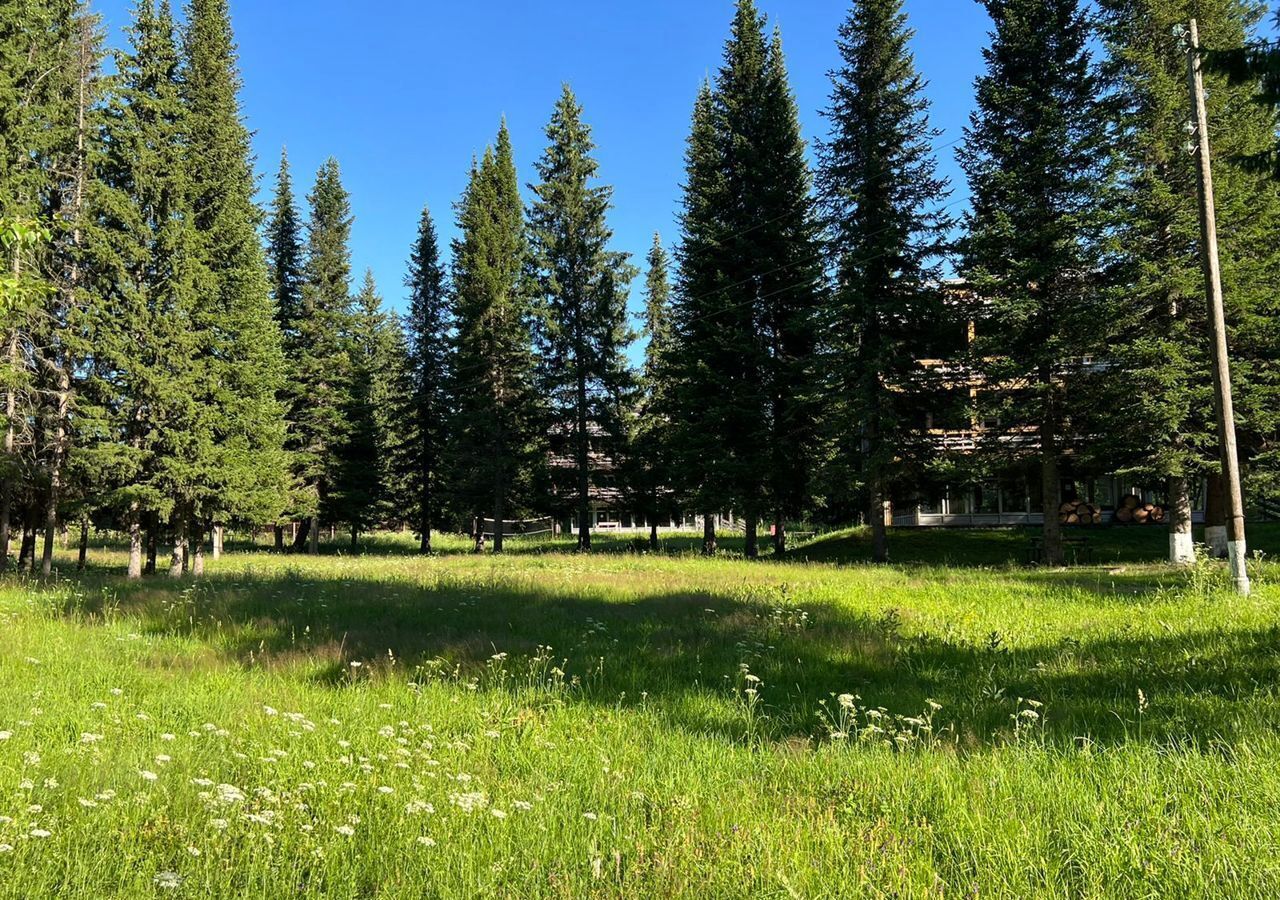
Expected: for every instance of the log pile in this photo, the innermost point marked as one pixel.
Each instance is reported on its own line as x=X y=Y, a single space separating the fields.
x=1079 y=512
x=1133 y=511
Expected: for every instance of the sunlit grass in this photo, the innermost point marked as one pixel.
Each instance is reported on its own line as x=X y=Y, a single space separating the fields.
x=551 y=724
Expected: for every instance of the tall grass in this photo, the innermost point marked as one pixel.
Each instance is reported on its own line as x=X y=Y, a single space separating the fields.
x=625 y=725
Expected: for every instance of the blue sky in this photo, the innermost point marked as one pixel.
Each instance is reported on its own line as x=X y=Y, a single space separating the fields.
x=404 y=92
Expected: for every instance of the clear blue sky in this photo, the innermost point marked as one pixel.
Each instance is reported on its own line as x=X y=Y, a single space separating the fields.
x=404 y=92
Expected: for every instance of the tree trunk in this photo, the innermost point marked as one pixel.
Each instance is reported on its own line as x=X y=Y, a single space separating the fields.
x=1215 y=515
x=7 y=486
x=355 y=540
x=153 y=543
x=708 y=534
x=582 y=454
x=197 y=549
x=879 y=513
x=751 y=539
x=50 y=528
x=301 y=531
x=424 y=526
x=135 y=543
x=1182 y=550
x=279 y=536
x=178 y=561
x=779 y=534
x=477 y=532
x=653 y=536
x=1051 y=482
x=313 y=535
x=499 y=510
x=6 y=508
x=27 y=555
x=83 y=557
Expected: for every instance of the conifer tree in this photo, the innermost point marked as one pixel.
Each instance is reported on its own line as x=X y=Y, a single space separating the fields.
x=1036 y=159
x=1167 y=371
x=49 y=90
x=693 y=360
x=749 y=289
x=141 y=389
x=321 y=381
x=429 y=328
x=359 y=486
x=880 y=193
x=286 y=264
x=495 y=446
x=242 y=473
x=648 y=471
x=285 y=256
x=583 y=285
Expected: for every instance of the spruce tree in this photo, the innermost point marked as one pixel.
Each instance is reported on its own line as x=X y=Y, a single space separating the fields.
x=748 y=291
x=583 y=329
x=285 y=256
x=648 y=470
x=141 y=388
x=359 y=485
x=243 y=472
x=321 y=380
x=880 y=193
x=495 y=448
x=49 y=90
x=1036 y=159
x=1167 y=366
x=698 y=352
x=286 y=264
x=429 y=333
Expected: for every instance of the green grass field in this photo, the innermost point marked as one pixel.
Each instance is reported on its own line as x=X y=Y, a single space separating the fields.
x=624 y=725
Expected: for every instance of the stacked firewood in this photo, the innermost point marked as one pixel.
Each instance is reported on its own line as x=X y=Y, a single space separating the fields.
x=1079 y=512
x=1134 y=511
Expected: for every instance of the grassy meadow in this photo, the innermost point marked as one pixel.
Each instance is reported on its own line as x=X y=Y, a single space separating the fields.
x=629 y=725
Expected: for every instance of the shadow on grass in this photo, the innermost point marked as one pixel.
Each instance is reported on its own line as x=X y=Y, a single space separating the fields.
x=683 y=651
x=977 y=547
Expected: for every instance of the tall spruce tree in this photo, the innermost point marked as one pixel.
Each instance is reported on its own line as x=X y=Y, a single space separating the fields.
x=648 y=474
x=880 y=193
x=1167 y=353
x=244 y=470
x=583 y=330
x=321 y=381
x=286 y=259
x=1036 y=159
x=359 y=487
x=497 y=416
x=694 y=359
x=751 y=281
x=285 y=255
x=429 y=333
x=58 y=345
x=141 y=388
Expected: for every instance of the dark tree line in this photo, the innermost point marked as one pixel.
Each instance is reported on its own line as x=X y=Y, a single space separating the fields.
x=175 y=361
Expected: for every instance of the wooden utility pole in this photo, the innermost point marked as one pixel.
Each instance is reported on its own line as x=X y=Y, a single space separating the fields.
x=1236 y=547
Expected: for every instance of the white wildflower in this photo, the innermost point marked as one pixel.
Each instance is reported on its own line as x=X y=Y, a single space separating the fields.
x=470 y=801
x=168 y=880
